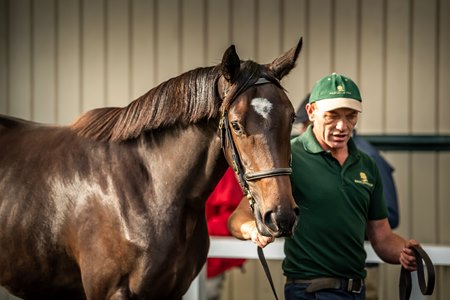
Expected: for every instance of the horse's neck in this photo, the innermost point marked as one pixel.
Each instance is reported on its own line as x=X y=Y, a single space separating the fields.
x=185 y=162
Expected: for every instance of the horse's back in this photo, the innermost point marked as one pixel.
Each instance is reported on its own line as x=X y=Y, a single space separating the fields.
x=13 y=122
x=12 y=129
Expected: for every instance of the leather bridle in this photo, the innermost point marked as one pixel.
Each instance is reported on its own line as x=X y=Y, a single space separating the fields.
x=245 y=177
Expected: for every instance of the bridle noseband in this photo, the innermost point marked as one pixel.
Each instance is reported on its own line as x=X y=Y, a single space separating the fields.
x=243 y=177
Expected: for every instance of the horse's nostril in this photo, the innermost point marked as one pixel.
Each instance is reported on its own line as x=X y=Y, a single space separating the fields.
x=270 y=220
x=281 y=224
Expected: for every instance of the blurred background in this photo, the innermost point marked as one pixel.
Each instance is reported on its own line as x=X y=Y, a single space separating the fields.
x=60 y=58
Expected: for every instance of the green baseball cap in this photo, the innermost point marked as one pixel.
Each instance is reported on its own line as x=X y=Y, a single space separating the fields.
x=336 y=91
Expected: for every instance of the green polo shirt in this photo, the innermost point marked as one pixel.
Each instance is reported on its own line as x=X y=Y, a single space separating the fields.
x=335 y=202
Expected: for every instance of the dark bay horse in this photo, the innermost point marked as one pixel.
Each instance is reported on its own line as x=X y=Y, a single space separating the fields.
x=113 y=206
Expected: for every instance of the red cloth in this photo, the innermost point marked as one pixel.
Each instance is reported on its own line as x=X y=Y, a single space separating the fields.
x=219 y=206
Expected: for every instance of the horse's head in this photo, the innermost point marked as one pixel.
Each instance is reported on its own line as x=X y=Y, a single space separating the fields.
x=256 y=125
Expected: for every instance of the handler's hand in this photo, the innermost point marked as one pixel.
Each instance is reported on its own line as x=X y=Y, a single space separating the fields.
x=259 y=239
x=250 y=232
x=407 y=258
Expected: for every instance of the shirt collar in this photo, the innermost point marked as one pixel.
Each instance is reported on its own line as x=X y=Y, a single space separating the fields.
x=311 y=144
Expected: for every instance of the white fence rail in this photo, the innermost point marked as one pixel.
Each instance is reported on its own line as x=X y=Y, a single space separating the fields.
x=228 y=247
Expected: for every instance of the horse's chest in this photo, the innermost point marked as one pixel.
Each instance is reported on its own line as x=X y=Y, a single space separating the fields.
x=179 y=255
x=180 y=237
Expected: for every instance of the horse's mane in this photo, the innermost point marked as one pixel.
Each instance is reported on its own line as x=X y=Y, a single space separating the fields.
x=185 y=99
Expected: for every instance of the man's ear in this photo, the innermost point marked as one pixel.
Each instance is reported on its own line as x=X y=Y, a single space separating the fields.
x=310 y=109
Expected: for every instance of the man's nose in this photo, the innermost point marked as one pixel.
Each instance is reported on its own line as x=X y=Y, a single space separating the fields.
x=341 y=124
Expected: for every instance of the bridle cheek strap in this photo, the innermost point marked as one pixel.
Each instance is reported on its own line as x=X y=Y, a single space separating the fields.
x=226 y=138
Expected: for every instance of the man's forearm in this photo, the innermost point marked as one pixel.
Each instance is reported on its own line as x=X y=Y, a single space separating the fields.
x=241 y=222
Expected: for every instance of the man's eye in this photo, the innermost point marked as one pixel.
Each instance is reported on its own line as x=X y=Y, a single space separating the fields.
x=352 y=116
x=331 y=117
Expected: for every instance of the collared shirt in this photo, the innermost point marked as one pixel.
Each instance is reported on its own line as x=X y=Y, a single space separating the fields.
x=336 y=202
x=386 y=173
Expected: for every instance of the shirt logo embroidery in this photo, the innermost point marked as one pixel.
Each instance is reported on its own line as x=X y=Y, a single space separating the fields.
x=363 y=179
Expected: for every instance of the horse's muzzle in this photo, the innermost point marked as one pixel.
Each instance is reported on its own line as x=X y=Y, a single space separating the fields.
x=277 y=223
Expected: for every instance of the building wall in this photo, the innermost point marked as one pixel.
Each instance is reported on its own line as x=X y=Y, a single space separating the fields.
x=60 y=58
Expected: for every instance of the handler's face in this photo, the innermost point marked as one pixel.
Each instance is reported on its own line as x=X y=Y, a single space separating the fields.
x=333 y=128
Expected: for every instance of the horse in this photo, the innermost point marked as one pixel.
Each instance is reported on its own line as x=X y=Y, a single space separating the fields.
x=112 y=206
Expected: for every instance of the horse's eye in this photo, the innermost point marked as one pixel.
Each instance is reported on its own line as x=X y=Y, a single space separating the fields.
x=236 y=127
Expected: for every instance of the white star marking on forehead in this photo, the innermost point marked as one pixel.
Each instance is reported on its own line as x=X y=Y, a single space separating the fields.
x=262 y=106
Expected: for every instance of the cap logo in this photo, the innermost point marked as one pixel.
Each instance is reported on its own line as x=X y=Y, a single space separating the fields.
x=340 y=88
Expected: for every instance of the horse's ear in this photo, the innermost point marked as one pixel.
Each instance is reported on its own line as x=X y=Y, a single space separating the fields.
x=230 y=64
x=282 y=65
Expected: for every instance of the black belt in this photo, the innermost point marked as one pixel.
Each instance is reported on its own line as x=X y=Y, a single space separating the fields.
x=353 y=285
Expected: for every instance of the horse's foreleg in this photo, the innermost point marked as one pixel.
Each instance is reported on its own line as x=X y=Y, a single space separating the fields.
x=121 y=294
x=106 y=290
x=105 y=279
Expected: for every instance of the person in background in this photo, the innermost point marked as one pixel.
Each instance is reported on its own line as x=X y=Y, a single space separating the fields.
x=339 y=192
x=389 y=190
x=219 y=206
x=301 y=119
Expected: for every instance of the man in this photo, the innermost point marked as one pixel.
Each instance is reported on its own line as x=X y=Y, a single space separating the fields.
x=301 y=119
x=340 y=195
x=389 y=190
x=386 y=170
